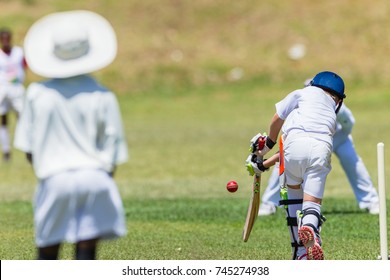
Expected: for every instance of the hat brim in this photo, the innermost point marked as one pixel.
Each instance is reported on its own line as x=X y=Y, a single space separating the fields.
x=38 y=45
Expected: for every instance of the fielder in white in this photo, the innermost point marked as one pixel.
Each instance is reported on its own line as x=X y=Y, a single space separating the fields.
x=71 y=130
x=307 y=119
x=12 y=74
x=352 y=164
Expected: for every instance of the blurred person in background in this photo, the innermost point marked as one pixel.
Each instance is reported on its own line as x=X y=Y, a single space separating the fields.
x=12 y=74
x=71 y=130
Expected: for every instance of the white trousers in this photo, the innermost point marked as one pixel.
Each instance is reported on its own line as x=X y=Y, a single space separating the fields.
x=307 y=163
x=77 y=205
x=11 y=97
x=357 y=174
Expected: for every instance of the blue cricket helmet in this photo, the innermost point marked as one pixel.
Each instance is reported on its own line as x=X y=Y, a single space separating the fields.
x=331 y=82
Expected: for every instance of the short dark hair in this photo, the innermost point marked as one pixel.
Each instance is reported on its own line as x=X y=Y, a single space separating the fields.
x=5 y=30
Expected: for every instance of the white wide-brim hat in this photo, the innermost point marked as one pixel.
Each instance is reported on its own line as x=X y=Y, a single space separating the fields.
x=67 y=44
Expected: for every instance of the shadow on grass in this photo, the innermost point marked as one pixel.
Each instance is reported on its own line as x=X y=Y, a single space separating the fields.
x=344 y=212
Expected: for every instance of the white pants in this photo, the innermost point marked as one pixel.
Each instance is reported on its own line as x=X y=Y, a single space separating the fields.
x=11 y=97
x=307 y=163
x=357 y=173
x=77 y=205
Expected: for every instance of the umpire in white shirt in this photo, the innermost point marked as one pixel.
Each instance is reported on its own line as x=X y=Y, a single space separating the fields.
x=71 y=130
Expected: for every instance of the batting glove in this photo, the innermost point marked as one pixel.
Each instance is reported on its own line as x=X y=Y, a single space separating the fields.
x=254 y=146
x=261 y=144
x=254 y=165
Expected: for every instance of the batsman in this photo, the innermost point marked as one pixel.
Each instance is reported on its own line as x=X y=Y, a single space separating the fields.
x=306 y=119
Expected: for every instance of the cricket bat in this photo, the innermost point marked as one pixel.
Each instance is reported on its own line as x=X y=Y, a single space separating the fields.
x=254 y=202
x=253 y=208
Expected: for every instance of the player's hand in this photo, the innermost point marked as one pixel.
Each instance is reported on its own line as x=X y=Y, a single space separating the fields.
x=263 y=151
x=254 y=165
x=261 y=144
x=257 y=142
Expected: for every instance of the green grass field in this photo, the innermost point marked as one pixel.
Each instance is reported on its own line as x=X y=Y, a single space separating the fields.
x=205 y=229
x=188 y=123
x=184 y=148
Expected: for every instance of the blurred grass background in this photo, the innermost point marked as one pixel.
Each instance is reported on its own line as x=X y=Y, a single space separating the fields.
x=196 y=80
x=165 y=43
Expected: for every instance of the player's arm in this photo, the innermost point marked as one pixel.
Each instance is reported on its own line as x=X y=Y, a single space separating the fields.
x=255 y=165
x=112 y=139
x=24 y=131
x=275 y=127
x=283 y=109
x=271 y=161
x=345 y=120
x=271 y=139
x=344 y=124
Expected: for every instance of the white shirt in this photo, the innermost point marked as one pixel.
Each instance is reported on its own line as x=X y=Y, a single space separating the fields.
x=69 y=124
x=309 y=110
x=12 y=66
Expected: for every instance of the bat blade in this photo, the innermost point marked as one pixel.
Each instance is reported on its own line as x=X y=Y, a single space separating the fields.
x=253 y=208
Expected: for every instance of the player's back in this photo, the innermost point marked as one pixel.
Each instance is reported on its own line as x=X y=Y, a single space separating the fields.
x=309 y=110
x=73 y=118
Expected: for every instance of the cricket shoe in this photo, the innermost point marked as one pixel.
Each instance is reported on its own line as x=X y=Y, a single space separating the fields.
x=312 y=243
x=267 y=209
x=373 y=208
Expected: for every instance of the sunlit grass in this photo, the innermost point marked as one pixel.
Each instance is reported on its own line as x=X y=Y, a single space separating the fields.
x=188 y=120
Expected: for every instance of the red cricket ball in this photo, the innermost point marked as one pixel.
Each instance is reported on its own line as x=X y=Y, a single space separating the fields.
x=232 y=186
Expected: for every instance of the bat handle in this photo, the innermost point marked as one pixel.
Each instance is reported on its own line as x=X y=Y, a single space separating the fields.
x=261 y=142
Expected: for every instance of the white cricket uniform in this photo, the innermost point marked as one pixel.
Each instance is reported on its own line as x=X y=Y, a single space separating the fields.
x=350 y=161
x=12 y=74
x=310 y=122
x=72 y=127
